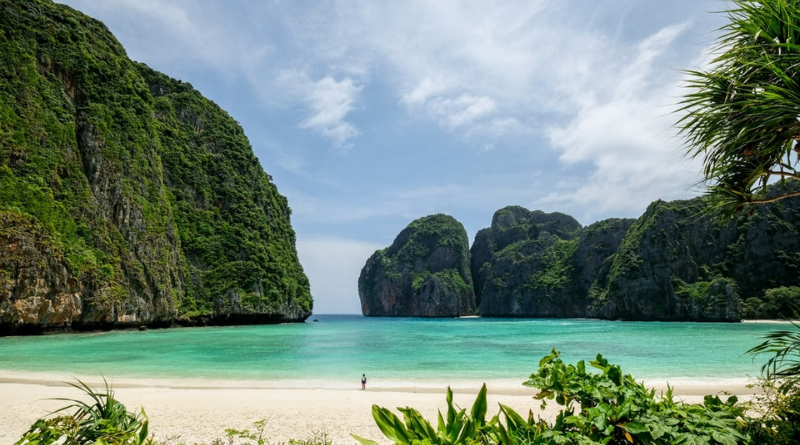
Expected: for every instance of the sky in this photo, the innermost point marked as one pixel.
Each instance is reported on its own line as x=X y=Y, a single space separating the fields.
x=370 y=114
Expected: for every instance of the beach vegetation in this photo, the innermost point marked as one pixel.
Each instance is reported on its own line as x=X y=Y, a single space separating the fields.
x=611 y=407
x=779 y=402
x=103 y=420
x=605 y=407
x=776 y=303
x=258 y=435
x=740 y=115
x=458 y=427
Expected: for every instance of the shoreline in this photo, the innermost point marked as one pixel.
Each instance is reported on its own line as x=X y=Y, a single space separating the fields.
x=34 y=331
x=181 y=413
x=681 y=385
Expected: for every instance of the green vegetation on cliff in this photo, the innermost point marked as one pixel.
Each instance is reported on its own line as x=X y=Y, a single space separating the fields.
x=676 y=263
x=233 y=224
x=536 y=264
x=672 y=263
x=148 y=191
x=425 y=272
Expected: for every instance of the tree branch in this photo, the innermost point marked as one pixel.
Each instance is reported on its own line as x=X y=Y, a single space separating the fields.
x=785 y=174
x=775 y=198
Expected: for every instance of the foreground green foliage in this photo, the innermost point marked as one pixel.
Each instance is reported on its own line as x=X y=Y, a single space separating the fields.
x=780 y=384
x=611 y=407
x=457 y=427
x=606 y=407
x=741 y=114
x=102 y=421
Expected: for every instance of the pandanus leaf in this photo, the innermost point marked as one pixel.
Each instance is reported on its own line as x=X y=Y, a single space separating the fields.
x=466 y=432
x=390 y=425
x=363 y=441
x=502 y=434
x=513 y=420
x=144 y=430
x=417 y=424
x=454 y=427
x=479 y=408
x=451 y=412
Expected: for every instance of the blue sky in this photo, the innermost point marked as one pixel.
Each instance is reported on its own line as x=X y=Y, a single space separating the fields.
x=370 y=114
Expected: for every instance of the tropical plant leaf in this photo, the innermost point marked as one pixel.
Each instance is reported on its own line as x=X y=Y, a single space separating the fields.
x=479 y=408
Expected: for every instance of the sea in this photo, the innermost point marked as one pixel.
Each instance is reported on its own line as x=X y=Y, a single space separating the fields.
x=333 y=351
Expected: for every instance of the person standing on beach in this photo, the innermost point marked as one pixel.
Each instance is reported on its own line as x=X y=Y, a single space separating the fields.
x=363 y=382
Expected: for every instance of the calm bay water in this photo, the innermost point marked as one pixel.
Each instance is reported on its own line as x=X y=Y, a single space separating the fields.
x=392 y=351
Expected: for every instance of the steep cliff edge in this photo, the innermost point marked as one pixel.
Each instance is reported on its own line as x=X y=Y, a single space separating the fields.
x=424 y=273
x=671 y=264
x=536 y=264
x=126 y=198
x=675 y=264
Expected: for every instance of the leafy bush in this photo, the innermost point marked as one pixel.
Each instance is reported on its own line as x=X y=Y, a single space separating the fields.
x=458 y=427
x=598 y=408
x=105 y=421
x=776 y=303
x=612 y=408
x=779 y=404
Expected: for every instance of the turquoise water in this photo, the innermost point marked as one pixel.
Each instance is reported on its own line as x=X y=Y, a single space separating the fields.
x=393 y=351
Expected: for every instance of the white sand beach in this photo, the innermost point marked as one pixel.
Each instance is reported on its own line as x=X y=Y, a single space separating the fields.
x=180 y=414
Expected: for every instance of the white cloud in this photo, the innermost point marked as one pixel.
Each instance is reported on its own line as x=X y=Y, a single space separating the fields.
x=625 y=134
x=333 y=266
x=460 y=111
x=329 y=103
x=537 y=75
x=426 y=89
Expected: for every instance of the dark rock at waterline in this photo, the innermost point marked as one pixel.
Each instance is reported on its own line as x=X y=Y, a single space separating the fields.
x=676 y=264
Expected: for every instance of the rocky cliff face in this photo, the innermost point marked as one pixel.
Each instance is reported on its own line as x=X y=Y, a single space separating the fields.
x=672 y=263
x=424 y=273
x=676 y=265
x=535 y=264
x=126 y=198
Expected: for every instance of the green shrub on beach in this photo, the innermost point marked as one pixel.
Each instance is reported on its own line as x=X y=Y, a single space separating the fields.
x=103 y=421
x=611 y=407
x=779 y=302
x=598 y=408
x=458 y=427
x=778 y=405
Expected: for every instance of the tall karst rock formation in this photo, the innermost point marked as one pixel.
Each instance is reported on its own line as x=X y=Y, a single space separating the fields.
x=537 y=264
x=672 y=264
x=676 y=264
x=126 y=197
x=424 y=273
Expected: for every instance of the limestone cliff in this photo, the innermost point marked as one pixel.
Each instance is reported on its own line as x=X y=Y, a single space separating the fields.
x=672 y=263
x=424 y=273
x=536 y=264
x=126 y=198
x=675 y=264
